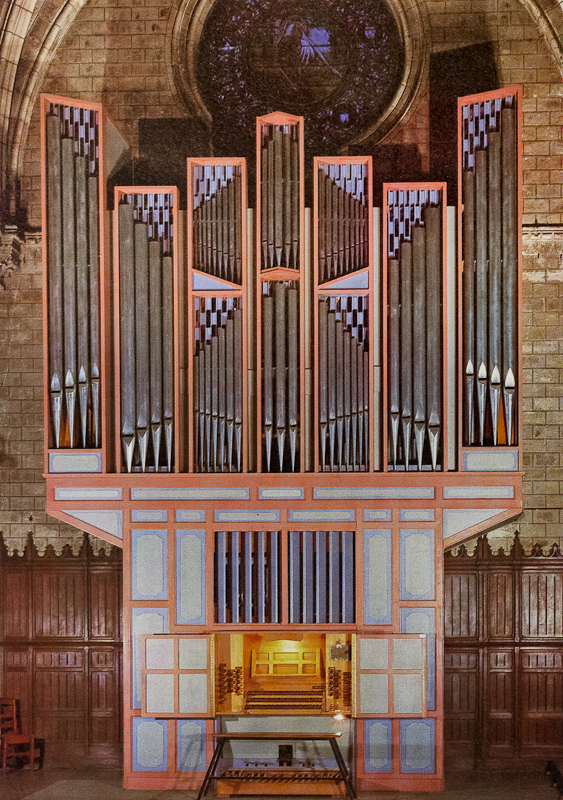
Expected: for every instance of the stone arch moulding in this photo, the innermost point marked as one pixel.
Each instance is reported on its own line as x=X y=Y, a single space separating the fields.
x=412 y=19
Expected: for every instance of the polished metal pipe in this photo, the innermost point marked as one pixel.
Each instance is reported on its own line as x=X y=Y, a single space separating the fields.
x=55 y=273
x=509 y=269
x=419 y=338
x=394 y=356
x=127 y=330
x=406 y=348
x=432 y=222
x=481 y=286
x=469 y=359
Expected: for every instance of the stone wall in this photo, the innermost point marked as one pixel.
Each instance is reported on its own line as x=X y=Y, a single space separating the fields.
x=117 y=52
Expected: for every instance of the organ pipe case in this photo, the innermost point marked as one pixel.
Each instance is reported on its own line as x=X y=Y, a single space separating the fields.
x=145 y=323
x=414 y=328
x=489 y=258
x=343 y=257
x=217 y=315
x=80 y=148
x=280 y=292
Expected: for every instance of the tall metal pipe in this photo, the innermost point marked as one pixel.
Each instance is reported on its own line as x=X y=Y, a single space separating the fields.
x=432 y=221
x=280 y=304
x=142 y=354
x=406 y=348
x=469 y=358
x=419 y=338
x=155 y=346
x=94 y=289
x=394 y=356
x=55 y=273
x=268 y=374
x=481 y=286
x=323 y=375
x=509 y=268
x=127 y=330
x=293 y=371
x=82 y=293
x=168 y=355
x=69 y=283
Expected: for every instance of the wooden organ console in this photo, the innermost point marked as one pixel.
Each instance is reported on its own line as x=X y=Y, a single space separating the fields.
x=282 y=417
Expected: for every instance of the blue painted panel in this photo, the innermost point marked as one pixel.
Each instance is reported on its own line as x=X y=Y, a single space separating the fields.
x=422 y=620
x=150 y=745
x=143 y=620
x=190 y=577
x=417 y=564
x=377 y=577
x=148 y=565
x=378 y=738
x=417 y=745
x=190 y=745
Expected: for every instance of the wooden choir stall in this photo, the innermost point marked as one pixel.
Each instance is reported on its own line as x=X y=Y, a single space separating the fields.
x=282 y=415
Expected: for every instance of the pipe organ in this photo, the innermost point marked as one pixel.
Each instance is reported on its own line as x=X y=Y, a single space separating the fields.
x=193 y=355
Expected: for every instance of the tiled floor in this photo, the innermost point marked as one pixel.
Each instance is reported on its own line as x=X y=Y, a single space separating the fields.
x=100 y=784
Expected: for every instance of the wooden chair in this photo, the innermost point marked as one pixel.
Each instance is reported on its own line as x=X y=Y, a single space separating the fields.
x=15 y=746
x=20 y=747
x=8 y=720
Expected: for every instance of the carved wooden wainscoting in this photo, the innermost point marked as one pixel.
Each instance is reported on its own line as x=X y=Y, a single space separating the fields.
x=503 y=655
x=60 y=641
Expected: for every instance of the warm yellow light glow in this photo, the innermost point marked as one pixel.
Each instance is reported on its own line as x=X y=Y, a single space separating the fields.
x=338 y=715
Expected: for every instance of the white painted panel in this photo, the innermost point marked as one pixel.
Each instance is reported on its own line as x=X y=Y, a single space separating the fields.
x=190 y=576
x=150 y=744
x=192 y=693
x=75 y=462
x=417 y=745
x=378 y=577
x=457 y=520
x=192 y=653
x=374 y=653
x=407 y=654
x=190 y=746
x=378 y=745
x=159 y=694
x=149 y=564
x=159 y=653
x=374 y=694
x=419 y=558
x=407 y=694
x=478 y=492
